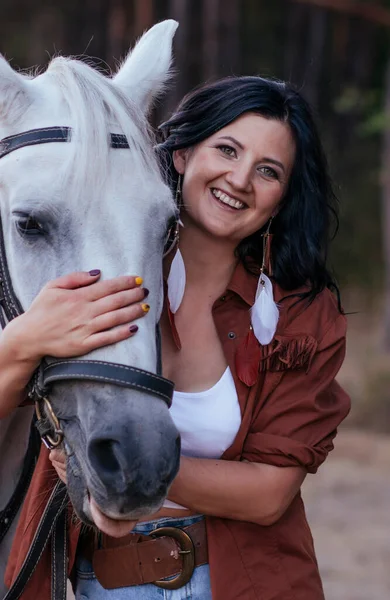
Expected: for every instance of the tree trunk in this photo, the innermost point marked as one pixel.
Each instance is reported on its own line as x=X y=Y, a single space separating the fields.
x=386 y=211
x=143 y=16
x=230 y=38
x=117 y=27
x=293 y=48
x=179 y=11
x=95 y=17
x=210 y=47
x=315 y=50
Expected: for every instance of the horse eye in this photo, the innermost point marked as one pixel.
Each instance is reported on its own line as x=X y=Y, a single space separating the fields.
x=29 y=226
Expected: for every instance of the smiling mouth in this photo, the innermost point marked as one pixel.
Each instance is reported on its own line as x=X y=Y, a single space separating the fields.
x=227 y=200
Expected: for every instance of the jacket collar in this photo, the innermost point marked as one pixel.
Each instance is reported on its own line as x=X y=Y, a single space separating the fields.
x=244 y=284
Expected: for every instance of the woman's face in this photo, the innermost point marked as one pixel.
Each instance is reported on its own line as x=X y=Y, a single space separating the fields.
x=235 y=180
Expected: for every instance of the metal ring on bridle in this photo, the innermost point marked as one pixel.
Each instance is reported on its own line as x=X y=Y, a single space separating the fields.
x=48 y=440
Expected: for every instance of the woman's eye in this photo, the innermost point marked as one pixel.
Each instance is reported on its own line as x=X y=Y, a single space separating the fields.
x=29 y=226
x=227 y=150
x=269 y=172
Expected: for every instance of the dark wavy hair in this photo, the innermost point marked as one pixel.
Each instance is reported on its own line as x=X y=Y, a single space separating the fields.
x=307 y=218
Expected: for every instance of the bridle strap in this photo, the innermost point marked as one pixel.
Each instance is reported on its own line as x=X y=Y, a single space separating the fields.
x=53 y=522
x=46 y=135
x=10 y=308
x=104 y=372
x=61 y=370
x=8 y=299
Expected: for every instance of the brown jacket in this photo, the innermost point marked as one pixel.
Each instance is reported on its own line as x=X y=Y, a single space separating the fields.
x=291 y=406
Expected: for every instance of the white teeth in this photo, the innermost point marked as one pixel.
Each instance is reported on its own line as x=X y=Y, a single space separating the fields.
x=227 y=200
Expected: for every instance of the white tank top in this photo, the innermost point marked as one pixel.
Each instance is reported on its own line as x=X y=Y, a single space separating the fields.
x=207 y=421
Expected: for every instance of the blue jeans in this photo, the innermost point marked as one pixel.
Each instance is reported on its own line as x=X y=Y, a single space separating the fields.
x=198 y=588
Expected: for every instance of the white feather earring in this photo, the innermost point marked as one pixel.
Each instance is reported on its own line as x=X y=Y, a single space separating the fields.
x=177 y=274
x=264 y=312
x=176 y=282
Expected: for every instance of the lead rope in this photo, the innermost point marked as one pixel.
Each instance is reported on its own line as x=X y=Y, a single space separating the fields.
x=52 y=524
x=59 y=557
x=8 y=514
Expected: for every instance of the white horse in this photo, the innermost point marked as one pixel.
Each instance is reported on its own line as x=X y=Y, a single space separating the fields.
x=103 y=208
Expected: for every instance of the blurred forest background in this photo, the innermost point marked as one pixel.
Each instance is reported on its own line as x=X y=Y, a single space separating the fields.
x=337 y=52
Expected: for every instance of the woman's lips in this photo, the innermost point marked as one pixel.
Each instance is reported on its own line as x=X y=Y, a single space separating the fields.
x=109 y=526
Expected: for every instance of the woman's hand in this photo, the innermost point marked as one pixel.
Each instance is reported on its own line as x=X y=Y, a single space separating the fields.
x=75 y=314
x=58 y=460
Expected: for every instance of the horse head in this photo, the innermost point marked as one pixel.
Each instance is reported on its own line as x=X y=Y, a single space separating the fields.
x=96 y=206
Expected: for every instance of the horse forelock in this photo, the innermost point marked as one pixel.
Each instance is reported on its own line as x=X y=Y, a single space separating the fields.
x=98 y=107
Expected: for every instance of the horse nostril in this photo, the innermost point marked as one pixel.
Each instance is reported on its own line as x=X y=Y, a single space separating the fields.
x=123 y=467
x=103 y=455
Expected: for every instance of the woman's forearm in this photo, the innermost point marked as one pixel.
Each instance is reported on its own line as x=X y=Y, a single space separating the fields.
x=16 y=369
x=241 y=491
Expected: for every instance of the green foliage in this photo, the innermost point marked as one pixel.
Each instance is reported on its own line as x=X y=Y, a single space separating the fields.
x=367 y=105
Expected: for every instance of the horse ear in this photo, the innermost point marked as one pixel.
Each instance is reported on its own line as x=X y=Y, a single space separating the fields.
x=13 y=94
x=146 y=69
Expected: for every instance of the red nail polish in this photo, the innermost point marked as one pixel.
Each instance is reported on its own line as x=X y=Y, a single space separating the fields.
x=133 y=328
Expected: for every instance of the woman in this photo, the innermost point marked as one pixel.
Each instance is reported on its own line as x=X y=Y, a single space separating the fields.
x=254 y=358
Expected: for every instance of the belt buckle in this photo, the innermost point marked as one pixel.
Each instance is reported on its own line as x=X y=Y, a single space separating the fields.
x=187 y=552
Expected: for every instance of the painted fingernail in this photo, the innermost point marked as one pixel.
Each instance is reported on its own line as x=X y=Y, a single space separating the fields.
x=94 y=272
x=145 y=307
x=146 y=292
x=138 y=280
x=133 y=328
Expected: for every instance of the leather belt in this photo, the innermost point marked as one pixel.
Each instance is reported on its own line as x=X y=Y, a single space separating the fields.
x=137 y=559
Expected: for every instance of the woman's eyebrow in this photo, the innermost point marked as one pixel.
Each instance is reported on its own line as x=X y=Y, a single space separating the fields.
x=232 y=139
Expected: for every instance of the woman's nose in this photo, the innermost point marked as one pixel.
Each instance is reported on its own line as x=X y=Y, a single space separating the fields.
x=240 y=177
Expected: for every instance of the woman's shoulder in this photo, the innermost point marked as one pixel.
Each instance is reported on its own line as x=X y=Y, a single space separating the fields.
x=301 y=314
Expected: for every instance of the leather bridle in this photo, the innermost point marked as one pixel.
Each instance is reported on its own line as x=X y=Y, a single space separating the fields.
x=53 y=524
x=69 y=369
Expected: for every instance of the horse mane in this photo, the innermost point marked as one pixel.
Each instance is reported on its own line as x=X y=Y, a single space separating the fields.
x=97 y=108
